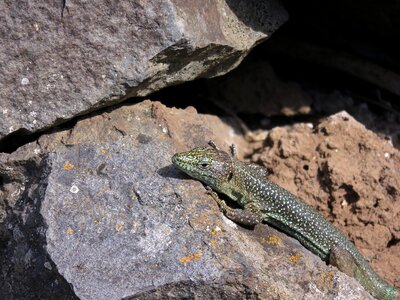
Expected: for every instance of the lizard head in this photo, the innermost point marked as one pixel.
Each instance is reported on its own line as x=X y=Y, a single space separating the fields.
x=207 y=164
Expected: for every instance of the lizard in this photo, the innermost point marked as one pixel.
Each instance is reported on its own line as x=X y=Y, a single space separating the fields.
x=262 y=200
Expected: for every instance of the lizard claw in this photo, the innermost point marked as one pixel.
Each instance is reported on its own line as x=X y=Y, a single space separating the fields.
x=212 y=144
x=209 y=190
x=233 y=150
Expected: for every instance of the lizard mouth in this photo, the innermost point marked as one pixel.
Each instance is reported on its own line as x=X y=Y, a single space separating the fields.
x=186 y=164
x=181 y=162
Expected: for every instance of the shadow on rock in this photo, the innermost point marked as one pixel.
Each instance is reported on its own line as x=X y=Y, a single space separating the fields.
x=26 y=268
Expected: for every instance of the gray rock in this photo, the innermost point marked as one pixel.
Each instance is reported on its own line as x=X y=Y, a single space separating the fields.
x=54 y=68
x=103 y=215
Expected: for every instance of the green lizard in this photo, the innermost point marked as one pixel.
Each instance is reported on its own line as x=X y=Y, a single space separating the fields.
x=263 y=200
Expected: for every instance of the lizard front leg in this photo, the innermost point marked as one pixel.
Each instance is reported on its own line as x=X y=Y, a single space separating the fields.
x=248 y=216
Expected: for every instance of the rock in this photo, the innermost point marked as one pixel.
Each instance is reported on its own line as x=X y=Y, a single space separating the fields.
x=57 y=67
x=385 y=123
x=102 y=214
x=350 y=175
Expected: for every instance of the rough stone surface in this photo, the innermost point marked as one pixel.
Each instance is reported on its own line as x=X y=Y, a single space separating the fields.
x=98 y=212
x=349 y=174
x=54 y=68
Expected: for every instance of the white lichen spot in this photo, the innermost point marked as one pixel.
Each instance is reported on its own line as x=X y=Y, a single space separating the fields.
x=33 y=113
x=217 y=229
x=34 y=122
x=10 y=129
x=25 y=81
x=47 y=265
x=103 y=76
x=36 y=151
x=36 y=26
x=29 y=102
x=74 y=189
x=387 y=155
x=5 y=111
x=165 y=130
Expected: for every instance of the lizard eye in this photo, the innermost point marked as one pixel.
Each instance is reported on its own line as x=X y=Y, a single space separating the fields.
x=204 y=165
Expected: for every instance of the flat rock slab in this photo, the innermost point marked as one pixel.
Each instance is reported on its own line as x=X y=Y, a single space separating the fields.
x=99 y=212
x=54 y=68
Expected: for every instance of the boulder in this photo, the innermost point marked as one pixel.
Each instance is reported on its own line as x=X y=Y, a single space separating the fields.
x=58 y=63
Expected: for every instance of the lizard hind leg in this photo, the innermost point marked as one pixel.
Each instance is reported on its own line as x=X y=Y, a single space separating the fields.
x=357 y=267
x=343 y=260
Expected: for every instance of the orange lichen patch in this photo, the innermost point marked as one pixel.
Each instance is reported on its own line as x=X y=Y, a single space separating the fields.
x=70 y=231
x=213 y=243
x=119 y=227
x=326 y=278
x=272 y=240
x=68 y=166
x=216 y=230
x=189 y=258
x=295 y=258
